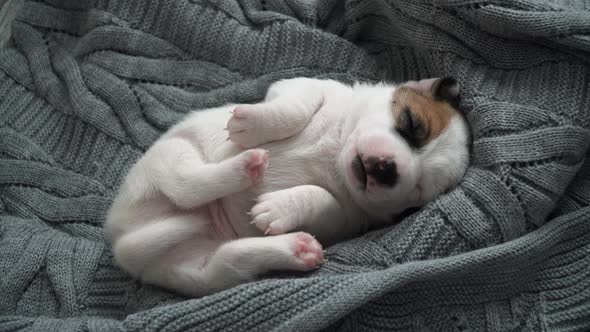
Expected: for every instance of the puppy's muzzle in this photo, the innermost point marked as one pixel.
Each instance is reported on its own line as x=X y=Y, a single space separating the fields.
x=382 y=170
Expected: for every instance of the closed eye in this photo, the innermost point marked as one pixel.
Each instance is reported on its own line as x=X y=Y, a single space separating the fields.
x=410 y=128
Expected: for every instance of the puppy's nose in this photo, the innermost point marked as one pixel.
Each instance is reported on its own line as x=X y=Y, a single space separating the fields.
x=383 y=170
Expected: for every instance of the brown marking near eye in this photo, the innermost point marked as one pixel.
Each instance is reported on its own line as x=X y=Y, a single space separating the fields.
x=433 y=115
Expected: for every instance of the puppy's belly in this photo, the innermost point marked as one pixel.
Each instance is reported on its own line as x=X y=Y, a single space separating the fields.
x=235 y=208
x=211 y=222
x=221 y=226
x=211 y=227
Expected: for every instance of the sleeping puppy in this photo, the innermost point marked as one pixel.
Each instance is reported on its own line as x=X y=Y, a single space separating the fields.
x=317 y=160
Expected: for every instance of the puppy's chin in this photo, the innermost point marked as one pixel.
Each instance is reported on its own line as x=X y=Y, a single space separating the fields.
x=381 y=204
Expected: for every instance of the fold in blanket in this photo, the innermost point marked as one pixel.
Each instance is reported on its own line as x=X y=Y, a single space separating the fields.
x=87 y=86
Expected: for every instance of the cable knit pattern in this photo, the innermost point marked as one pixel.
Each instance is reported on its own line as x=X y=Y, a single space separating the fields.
x=88 y=85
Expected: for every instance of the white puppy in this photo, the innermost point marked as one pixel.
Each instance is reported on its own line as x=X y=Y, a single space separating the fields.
x=332 y=161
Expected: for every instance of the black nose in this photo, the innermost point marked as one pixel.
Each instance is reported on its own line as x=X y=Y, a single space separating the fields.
x=384 y=171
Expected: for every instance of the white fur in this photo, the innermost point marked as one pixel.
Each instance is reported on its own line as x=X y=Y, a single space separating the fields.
x=186 y=216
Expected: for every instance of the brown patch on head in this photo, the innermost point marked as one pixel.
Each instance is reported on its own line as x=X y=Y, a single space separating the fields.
x=421 y=115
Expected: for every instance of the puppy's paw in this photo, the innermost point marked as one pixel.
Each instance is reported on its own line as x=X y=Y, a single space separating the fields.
x=273 y=214
x=245 y=127
x=307 y=251
x=255 y=163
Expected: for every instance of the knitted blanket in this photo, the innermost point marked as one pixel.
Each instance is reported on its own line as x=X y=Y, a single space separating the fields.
x=88 y=85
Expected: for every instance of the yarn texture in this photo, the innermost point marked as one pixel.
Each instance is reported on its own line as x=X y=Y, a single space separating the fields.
x=88 y=85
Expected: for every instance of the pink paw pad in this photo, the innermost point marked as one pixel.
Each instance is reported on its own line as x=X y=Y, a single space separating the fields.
x=256 y=164
x=240 y=112
x=308 y=250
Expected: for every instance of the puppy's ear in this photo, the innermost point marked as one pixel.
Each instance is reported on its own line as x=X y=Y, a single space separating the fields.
x=441 y=89
x=446 y=89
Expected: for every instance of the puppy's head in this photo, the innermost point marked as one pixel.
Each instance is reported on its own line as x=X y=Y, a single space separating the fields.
x=408 y=145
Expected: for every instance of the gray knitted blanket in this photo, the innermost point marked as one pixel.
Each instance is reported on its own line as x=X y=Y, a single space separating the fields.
x=88 y=85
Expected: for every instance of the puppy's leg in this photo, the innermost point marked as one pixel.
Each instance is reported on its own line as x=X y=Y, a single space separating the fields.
x=169 y=253
x=140 y=247
x=178 y=170
x=310 y=208
x=238 y=261
x=286 y=110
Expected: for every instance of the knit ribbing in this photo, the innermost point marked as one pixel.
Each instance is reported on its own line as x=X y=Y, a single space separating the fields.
x=89 y=85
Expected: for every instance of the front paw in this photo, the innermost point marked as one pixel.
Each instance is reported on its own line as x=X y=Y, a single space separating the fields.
x=245 y=127
x=273 y=214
